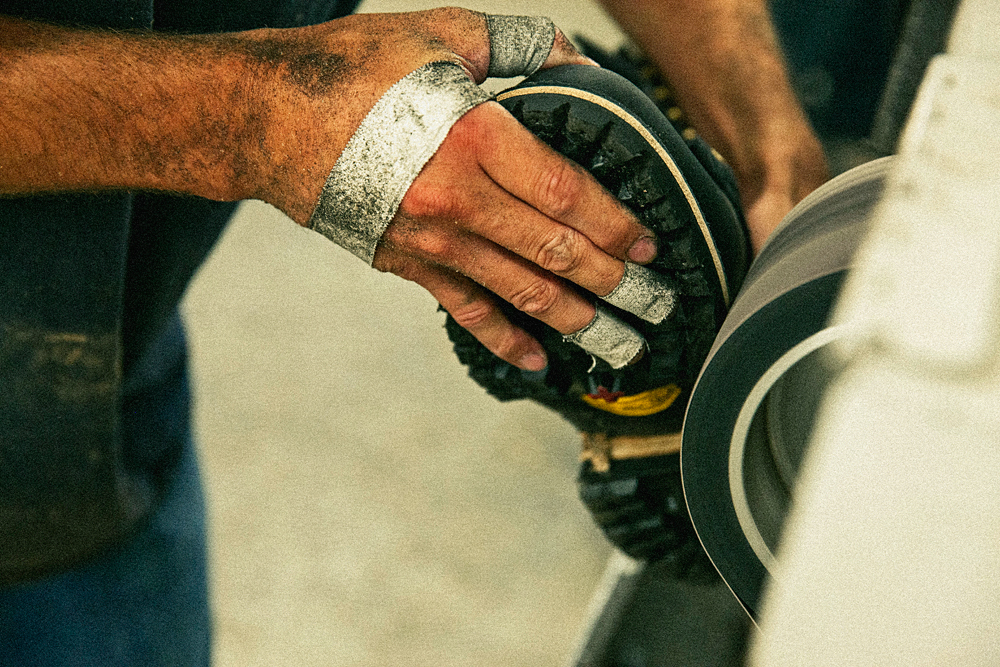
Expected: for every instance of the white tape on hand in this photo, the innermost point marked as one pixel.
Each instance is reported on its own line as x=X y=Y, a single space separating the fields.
x=645 y=293
x=519 y=45
x=406 y=127
x=393 y=143
x=403 y=131
x=609 y=338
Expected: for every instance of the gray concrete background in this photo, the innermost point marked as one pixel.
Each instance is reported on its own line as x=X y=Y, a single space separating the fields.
x=369 y=504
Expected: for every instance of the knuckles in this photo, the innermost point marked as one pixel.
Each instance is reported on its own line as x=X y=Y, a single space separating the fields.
x=560 y=189
x=473 y=314
x=429 y=244
x=420 y=237
x=505 y=346
x=563 y=253
x=479 y=318
x=538 y=298
x=432 y=201
x=434 y=246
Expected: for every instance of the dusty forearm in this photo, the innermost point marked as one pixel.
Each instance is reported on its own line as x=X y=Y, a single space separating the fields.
x=86 y=110
x=261 y=114
x=720 y=56
x=726 y=68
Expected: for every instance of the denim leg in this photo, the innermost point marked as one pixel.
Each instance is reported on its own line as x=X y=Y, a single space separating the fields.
x=143 y=604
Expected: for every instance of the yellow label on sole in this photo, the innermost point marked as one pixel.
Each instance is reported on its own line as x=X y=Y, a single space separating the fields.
x=638 y=405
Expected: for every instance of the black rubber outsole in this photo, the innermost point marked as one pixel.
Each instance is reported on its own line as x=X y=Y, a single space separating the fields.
x=639 y=506
x=604 y=123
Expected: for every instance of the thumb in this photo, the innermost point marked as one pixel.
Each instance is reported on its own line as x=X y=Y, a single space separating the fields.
x=521 y=45
x=564 y=53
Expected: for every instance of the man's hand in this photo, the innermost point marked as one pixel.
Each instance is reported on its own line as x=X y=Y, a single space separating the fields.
x=495 y=211
x=265 y=114
x=793 y=165
x=525 y=224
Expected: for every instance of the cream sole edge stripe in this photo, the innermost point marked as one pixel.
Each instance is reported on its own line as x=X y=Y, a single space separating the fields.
x=655 y=145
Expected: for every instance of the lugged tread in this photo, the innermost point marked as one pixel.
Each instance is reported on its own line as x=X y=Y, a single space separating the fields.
x=639 y=506
x=639 y=503
x=608 y=148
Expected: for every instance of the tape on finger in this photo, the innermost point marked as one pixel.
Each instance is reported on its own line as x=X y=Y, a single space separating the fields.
x=645 y=293
x=609 y=338
x=519 y=45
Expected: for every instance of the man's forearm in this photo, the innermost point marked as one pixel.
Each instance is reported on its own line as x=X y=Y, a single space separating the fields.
x=726 y=68
x=91 y=110
x=720 y=56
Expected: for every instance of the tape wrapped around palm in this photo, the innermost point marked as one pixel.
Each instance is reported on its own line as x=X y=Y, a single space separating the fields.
x=407 y=126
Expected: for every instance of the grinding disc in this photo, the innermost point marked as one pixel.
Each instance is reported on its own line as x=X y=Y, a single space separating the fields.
x=751 y=409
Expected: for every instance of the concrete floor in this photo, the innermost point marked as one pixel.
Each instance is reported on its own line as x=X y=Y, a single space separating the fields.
x=370 y=505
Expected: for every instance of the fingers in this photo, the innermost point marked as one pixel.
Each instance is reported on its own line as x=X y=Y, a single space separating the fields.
x=564 y=252
x=549 y=234
x=564 y=53
x=519 y=235
x=531 y=171
x=526 y=286
x=567 y=253
x=601 y=334
x=553 y=247
x=764 y=214
x=475 y=309
x=521 y=45
x=456 y=216
x=521 y=283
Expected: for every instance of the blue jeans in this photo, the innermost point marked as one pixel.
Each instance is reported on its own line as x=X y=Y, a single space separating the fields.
x=145 y=603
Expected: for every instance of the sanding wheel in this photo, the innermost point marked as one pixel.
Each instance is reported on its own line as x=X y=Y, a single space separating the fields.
x=752 y=409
